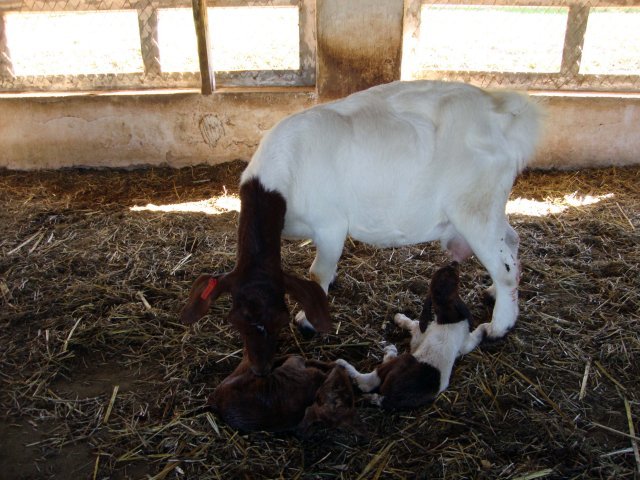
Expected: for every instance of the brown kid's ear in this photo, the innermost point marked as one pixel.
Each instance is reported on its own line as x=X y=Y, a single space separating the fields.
x=313 y=300
x=426 y=317
x=204 y=291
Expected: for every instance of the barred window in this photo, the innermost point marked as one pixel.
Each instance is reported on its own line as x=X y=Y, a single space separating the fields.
x=254 y=38
x=546 y=44
x=51 y=45
x=492 y=38
x=612 y=42
x=59 y=43
x=177 y=40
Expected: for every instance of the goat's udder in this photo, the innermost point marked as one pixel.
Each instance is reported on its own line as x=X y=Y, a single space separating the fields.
x=459 y=249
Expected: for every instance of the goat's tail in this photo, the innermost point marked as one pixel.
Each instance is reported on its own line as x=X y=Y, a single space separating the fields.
x=521 y=124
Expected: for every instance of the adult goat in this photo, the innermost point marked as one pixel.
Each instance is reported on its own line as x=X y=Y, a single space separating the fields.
x=399 y=164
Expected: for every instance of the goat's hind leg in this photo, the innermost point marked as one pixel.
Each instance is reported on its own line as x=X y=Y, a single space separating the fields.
x=366 y=382
x=512 y=241
x=495 y=244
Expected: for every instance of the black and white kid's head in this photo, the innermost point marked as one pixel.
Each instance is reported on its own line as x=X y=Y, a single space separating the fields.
x=444 y=299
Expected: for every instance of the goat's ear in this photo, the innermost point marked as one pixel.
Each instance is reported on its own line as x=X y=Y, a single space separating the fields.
x=426 y=317
x=313 y=300
x=463 y=310
x=204 y=291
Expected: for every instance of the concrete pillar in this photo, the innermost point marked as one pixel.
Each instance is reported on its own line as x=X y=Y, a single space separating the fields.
x=359 y=45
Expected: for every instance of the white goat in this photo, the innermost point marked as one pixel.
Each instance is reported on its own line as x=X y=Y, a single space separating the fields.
x=405 y=163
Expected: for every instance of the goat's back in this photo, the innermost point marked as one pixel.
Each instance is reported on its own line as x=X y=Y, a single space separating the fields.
x=379 y=160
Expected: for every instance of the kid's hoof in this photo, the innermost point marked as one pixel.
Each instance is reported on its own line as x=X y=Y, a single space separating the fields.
x=304 y=326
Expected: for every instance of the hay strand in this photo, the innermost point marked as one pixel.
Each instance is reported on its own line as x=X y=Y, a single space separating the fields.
x=585 y=378
x=112 y=401
x=144 y=301
x=25 y=243
x=631 y=436
x=632 y=432
x=531 y=476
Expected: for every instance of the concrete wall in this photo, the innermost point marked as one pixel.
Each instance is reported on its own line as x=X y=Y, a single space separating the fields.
x=359 y=45
x=590 y=131
x=151 y=129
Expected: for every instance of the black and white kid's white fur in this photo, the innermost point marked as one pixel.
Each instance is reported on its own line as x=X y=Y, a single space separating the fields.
x=414 y=379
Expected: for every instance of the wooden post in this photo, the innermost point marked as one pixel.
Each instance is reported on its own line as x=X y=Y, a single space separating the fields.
x=574 y=41
x=359 y=45
x=410 y=37
x=202 y=31
x=6 y=66
x=148 y=27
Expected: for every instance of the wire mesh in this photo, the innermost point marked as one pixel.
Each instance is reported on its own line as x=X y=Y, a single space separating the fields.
x=536 y=44
x=50 y=45
x=85 y=45
x=122 y=44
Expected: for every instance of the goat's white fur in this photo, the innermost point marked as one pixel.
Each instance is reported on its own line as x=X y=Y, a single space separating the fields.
x=438 y=346
x=404 y=163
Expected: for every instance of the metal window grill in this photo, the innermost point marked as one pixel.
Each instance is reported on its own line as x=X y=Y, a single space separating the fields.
x=591 y=51
x=573 y=70
x=147 y=73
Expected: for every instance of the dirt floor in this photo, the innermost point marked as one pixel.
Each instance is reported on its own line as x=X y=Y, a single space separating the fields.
x=98 y=380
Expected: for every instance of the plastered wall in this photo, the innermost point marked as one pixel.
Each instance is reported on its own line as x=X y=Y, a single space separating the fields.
x=134 y=130
x=589 y=131
x=359 y=45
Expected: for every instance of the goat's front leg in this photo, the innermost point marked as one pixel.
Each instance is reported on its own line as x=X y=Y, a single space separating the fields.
x=329 y=244
x=366 y=382
x=474 y=339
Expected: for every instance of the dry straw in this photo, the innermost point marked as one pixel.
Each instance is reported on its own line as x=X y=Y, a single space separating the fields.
x=99 y=380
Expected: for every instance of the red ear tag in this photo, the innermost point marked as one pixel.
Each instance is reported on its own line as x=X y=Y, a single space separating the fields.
x=210 y=287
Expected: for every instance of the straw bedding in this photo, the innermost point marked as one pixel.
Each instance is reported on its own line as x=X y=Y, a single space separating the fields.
x=98 y=380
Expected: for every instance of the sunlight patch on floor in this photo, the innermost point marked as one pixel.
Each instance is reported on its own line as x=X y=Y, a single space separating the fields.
x=537 y=208
x=211 y=206
x=518 y=206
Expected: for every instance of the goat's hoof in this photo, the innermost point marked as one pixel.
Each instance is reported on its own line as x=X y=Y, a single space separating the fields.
x=304 y=326
x=390 y=349
x=342 y=363
x=307 y=332
x=400 y=318
x=492 y=337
